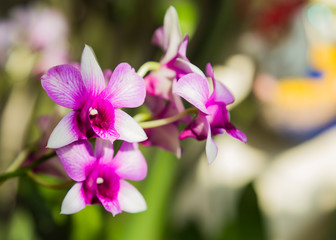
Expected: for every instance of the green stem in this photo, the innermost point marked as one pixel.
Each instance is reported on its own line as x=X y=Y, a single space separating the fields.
x=15 y=171
x=18 y=160
x=148 y=66
x=42 y=182
x=141 y=117
x=23 y=170
x=165 y=121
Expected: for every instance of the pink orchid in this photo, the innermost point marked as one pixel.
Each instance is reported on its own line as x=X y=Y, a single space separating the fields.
x=213 y=117
x=95 y=104
x=100 y=176
x=160 y=99
x=169 y=37
x=174 y=62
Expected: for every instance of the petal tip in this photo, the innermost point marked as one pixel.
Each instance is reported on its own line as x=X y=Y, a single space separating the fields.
x=52 y=144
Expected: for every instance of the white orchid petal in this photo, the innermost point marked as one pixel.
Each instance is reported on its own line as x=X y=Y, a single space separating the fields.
x=130 y=199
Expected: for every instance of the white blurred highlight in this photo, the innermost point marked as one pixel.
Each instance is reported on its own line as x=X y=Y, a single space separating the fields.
x=320 y=23
x=237 y=75
x=210 y=196
x=299 y=186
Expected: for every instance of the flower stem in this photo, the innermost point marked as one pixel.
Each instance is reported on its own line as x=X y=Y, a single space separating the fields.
x=141 y=117
x=148 y=66
x=18 y=160
x=23 y=170
x=165 y=121
x=42 y=182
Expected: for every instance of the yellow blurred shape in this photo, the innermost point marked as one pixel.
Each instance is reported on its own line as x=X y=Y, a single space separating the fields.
x=20 y=64
x=301 y=103
x=323 y=57
x=296 y=93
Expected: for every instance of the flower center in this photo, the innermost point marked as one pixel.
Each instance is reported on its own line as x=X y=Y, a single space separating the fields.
x=100 y=180
x=101 y=115
x=93 y=113
x=101 y=119
x=108 y=183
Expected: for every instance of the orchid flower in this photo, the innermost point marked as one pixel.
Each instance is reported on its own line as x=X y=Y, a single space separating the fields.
x=95 y=104
x=160 y=98
x=213 y=117
x=174 y=61
x=100 y=176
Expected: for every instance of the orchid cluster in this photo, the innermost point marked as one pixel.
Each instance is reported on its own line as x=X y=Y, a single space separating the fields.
x=97 y=100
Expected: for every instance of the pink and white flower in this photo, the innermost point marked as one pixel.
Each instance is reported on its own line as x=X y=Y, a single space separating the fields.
x=213 y=117
x=160 y=98
x=174 y=62
x=100 y=176
x=95 y=104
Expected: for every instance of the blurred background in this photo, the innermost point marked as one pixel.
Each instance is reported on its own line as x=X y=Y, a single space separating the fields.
x=278 y=57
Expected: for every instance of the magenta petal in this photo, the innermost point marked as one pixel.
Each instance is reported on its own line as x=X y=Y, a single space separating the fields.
x=108 y=134
x=104 y=150
x=193 y=88
x=231 y=129
x=218 y=115
x=198 y=128
x=130 y=199
x=220 y=93
x=166 y=137
x=64 y=85
x=183 y=47
x=158 y=37
x=74 y=201
x=129 y=163
x=77 y=159
x=108 y=189
x=187 y=133
x=92 y=74
x=209 y=71
x=128 y=129
x=159 y=83
x=177 y=105
x=102 y=119
x=126 y=88
x=185 y=67
x=211 y=148
x=65 y=132
x=235 y=132
x=111 y=206
x=107 y=75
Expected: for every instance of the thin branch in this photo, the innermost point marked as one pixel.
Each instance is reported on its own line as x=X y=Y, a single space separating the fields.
x=23 y=170
x=42 y=182
x=147 y=67
x=165 y=121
